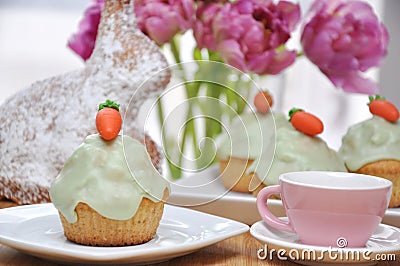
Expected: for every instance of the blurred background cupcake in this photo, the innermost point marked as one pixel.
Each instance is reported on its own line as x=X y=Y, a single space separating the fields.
x=373 y=145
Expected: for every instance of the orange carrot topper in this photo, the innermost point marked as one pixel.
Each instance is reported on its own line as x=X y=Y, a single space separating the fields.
x=108 y=120
x=379 y=106
x=305 y=122
x=263 y=102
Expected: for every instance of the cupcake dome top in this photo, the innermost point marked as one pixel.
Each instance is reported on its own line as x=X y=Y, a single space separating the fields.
x=370 y=140
x=248 y=133
x=295 y=151
x=112 y=177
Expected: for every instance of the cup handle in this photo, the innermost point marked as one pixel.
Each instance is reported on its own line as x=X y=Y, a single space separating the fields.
x=266 y=215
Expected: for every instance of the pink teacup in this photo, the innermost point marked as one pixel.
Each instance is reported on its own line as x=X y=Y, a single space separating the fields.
x=328 y=208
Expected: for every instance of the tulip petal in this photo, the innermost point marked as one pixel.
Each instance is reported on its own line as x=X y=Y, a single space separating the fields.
x=82 y=42
x=232 y=54
x=161 y=20
x=271 y=62
x=353 y=82
x=290 y=13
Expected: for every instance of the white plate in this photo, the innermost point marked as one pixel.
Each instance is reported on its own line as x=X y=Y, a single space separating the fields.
x=392 y=217
x=383 y=244
x=204 y=192
x=37 y=230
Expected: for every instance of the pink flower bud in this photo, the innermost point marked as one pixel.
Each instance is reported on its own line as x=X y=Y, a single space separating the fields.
x=250 y=34
x=83 y=41
x=345 y=38
x=202 y=29
x=161 y=20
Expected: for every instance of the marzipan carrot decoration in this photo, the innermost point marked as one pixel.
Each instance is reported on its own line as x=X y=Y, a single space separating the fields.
x=263 y=102
x=381 y=107
x=305 y=122
x=108 y=120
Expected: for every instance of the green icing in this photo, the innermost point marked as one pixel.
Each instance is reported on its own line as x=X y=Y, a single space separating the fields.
x=295 y=151
x=99 y=174
x=369 y=141
x=248 y=134
x=277 y=151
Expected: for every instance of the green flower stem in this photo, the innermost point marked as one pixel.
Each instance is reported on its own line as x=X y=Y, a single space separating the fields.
x=174 y=44
x=174 y=170
x=189 y=129
x=213 y=111
x=230 y=94
x=241 y=99
x=212 y=116
x=214 y=91
x=234 y=96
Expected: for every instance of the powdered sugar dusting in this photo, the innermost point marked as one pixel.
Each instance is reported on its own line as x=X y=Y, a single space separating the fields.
x=45 y=123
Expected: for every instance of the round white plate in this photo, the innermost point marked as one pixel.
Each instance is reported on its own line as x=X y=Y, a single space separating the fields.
x=204 y=191
x=383 y=245
x=37 y=230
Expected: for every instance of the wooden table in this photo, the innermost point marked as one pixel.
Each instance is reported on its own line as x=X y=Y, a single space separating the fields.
x=239 y=250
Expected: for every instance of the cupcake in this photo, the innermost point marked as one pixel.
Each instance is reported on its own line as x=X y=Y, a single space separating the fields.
x=242 y=143
x=109 y=193
x=297 y=148
x=373 y=146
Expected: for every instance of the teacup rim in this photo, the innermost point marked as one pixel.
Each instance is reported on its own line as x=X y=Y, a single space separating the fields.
x=385 y=183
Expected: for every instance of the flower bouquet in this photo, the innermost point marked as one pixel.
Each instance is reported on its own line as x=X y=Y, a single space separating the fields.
x=246 y=39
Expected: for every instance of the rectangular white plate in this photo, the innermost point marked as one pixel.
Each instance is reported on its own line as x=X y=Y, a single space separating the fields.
x=37 y=230
x=204 y=192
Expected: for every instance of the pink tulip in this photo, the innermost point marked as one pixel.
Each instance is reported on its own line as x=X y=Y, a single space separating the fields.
x=161 y=20
x=83 y=41
x=345 y=38
x=250 y=34
x=202 y=29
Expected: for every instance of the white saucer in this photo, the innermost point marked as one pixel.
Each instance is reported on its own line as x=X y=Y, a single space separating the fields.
x=383 y=244
x=36 y=230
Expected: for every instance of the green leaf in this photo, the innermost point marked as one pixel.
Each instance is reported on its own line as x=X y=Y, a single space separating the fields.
x=109 y=104
x=376 y=97
x=197 y=54
x=293 y=111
